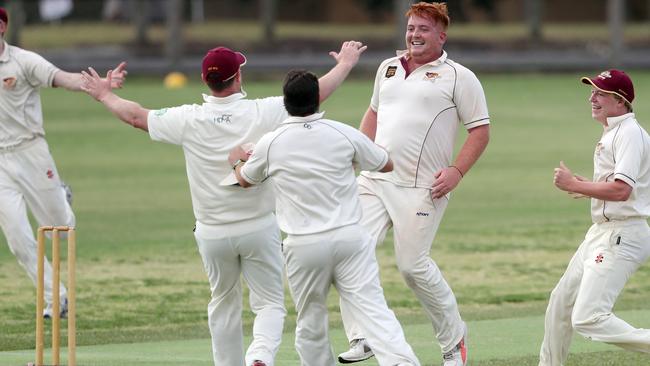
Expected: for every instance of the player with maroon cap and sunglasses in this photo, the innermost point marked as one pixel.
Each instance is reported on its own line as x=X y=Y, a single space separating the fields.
x=618 y=242
x=28 y=174
x=236 y=230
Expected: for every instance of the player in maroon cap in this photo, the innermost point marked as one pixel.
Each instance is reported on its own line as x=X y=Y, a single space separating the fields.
x=236 y=230
x=28 y=175
x=618 y=242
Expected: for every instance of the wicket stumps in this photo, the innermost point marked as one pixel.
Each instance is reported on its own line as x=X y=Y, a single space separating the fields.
x=56 y=300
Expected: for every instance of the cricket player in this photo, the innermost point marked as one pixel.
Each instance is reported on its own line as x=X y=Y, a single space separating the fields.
x=420 y=99
x=309 y=161
x=618 y=242
x=236 y=230
x=28 y=174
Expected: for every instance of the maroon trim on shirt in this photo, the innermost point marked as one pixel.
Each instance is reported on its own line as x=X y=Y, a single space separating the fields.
x=405 y=65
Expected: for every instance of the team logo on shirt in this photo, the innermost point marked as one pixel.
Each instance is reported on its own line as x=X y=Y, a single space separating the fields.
x=599 y=258
x=431 y=76
x=390 y=72
x=599 y=148
x=9 y=83
x=224 y=118
x=50 y=174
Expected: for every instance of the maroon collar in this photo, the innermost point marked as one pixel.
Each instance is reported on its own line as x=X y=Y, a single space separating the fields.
x=405 y=65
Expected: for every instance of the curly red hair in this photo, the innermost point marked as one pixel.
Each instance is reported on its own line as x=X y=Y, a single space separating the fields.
x=437 y=12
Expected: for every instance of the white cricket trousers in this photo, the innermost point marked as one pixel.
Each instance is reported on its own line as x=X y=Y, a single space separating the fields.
x=29 y=178
x=250 y=248
x=345 y=258
x=585 y=296
x=415 y=218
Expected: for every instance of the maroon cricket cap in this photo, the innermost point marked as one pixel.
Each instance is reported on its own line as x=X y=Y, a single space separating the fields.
x=223 y=62
x=3 y=15
x=614 y=82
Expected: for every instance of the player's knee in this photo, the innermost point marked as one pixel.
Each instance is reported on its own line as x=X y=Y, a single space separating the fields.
x=412 y=274
x=584 y=324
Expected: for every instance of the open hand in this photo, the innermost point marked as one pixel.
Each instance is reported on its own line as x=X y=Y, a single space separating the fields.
x=349 y=53
x=119 y=76
x=96 y=86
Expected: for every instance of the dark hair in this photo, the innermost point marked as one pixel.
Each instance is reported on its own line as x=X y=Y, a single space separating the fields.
x=213 y=80
x=301 y=94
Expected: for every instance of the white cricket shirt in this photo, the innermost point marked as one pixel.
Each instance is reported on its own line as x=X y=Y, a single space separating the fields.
x=207 y=133
x=418 y=116
x=310 y=163
x=22 y=73
x=623 y=153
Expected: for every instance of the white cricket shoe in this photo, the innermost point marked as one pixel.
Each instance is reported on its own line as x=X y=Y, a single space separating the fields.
x=359 y=351
x=458 y=355
x=63 y=310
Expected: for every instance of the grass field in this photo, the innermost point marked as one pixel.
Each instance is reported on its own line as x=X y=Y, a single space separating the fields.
x=504 y=242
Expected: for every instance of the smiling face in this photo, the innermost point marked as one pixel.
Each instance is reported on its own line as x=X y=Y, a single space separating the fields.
x=424 y=39
x=604 y=105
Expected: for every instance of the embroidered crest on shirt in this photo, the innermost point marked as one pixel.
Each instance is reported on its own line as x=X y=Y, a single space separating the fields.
x=9 y=83
x=599 y=258
x=431 y=76
x=50 y=174
x=390 y=72
x=599 y=148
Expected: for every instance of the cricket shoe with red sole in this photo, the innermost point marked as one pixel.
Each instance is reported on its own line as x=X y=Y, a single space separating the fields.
x=458 y=355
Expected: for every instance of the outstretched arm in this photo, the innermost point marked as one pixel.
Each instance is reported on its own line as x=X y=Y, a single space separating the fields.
x=448 y=178
x=126 y=110
x=346 y=59
x=73 y=80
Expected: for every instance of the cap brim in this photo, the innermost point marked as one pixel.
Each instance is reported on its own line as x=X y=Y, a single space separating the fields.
x=241 y=58
x=589 y=81
x=229 y=180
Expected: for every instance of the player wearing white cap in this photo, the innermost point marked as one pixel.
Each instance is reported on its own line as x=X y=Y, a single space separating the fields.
x=310 y=162
x=236 y=231
x=420 y=98
x=618 y=242
x=28 y=174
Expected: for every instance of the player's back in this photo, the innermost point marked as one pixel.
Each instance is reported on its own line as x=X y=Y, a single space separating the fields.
x=207 y=133
x=311 y=167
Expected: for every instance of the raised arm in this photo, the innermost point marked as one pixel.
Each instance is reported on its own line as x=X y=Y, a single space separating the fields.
x=73 y=80
x=448 y=178
x=126 y=110
x=346 y=59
